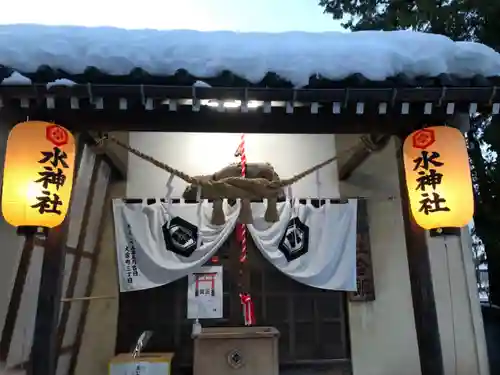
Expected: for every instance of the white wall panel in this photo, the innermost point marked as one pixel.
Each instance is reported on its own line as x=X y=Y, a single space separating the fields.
x=79 y=196
x=97 y=208
x=63 y=364
x=206 y=153
x=68 y=266
x=22 y=337
x=76 y=306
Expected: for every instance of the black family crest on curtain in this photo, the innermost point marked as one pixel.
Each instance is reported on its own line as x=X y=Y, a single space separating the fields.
x=181 y=237
x=295 y=241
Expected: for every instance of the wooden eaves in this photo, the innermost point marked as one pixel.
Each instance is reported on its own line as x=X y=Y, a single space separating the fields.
x=176 y=108
x=377 y=111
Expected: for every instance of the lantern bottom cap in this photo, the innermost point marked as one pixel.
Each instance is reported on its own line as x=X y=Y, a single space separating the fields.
x=445 y=231
x=26 y=230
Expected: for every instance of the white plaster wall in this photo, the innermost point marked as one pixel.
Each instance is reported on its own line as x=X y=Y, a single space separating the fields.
x=457 y=303
x=203 y=153
x=383 y=337
x=22 y=338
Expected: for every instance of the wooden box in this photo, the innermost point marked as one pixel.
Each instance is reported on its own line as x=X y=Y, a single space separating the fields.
x=146 y=363
x=236 y=350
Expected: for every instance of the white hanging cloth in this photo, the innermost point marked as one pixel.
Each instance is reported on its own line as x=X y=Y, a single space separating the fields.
x=157 y=244
x=314 y=246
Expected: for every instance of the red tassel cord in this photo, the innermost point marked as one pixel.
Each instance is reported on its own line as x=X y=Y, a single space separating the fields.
x=248 y=309
x=242 y=228
x=241 y=235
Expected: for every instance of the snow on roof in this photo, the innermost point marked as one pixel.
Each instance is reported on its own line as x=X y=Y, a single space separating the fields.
x=295 y=56
x=16 y=79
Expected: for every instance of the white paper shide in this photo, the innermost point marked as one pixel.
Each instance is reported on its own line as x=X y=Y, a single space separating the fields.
x=204 y=298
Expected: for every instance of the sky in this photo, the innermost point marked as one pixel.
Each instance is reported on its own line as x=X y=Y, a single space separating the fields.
x=205 y=15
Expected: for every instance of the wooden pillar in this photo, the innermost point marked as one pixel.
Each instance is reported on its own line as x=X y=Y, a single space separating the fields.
x=424 y=305
x=44 y=350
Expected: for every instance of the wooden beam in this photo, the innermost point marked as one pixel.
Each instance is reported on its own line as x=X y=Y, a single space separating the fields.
x=484 y=93
x=84 y=254
x=422 y=290
x=208 y=120
x=44 y=350
x=364 y=266
x=375 y=143
x=107 y=152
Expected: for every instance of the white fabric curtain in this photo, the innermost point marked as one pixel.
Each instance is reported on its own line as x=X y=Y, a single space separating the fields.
x=145 y=257
x=330 y=260
x=160 y=243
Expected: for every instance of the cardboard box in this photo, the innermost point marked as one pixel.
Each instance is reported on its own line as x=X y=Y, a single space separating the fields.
x=145 y=364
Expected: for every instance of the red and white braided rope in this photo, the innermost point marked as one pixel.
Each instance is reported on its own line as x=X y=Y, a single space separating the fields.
x=243 y=227
x=241 y=231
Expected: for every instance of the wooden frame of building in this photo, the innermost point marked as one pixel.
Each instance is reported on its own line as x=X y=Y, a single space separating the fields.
x=354 y=106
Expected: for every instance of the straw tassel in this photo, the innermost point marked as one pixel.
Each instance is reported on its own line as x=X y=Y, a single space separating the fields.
x=218 y=217
x=245 y=216
x=271 y=215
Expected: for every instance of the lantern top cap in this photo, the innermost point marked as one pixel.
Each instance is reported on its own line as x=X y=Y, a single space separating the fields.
x=426 y=137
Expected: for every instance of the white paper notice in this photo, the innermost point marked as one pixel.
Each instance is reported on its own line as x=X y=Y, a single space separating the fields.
x=204 y=298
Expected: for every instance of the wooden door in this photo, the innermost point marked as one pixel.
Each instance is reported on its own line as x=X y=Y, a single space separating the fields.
x=312 y=322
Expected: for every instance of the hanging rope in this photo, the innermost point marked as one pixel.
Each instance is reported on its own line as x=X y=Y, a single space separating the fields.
x=235 y=187
x=239 y=187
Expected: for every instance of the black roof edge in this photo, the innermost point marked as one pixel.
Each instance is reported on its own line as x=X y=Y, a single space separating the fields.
x=482 y=95
x=138 y=76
